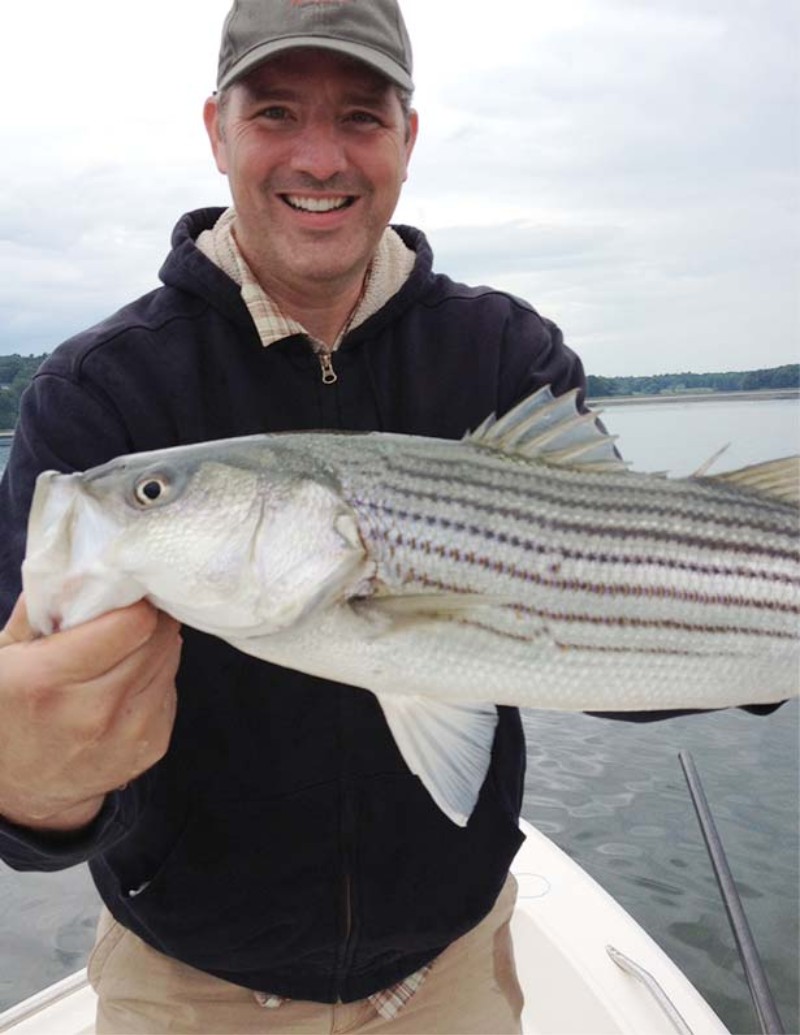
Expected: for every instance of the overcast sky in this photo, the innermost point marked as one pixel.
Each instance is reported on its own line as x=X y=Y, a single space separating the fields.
x=631 y=167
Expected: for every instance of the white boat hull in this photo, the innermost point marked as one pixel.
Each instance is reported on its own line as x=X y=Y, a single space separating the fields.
x=562 y=928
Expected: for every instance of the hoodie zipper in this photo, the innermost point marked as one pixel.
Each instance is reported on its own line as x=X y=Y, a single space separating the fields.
x=324 y=354
x=329 y=375
x=347 y=849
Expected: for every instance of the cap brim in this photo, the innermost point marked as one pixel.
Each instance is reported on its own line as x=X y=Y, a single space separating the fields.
x=374 y=58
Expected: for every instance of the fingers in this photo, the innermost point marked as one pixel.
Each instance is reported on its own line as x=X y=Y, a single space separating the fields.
x=87 y=652
x=146 y=724
x=84 y=710
x=146 y=714
x=134 y=669
x=115 y=704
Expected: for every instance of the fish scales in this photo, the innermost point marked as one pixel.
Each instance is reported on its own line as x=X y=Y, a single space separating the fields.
x=452 y=523
x=527 y=500
x=522 y=566
x=553 y=591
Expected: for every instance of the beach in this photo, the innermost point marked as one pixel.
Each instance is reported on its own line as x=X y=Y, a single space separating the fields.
x=764 y=394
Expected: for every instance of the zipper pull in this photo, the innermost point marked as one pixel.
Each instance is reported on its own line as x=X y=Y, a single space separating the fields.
x=329 y=375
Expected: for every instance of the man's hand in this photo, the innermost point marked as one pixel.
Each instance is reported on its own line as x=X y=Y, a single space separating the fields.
x=83 y=712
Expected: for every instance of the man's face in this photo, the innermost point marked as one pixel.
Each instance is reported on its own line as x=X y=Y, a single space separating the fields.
x=316 y=149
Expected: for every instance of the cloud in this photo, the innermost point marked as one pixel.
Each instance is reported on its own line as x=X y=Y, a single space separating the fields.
x=629 y=168
x=75 y=246
x=653 y=150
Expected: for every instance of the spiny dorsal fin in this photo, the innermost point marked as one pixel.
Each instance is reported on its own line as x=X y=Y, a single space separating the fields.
x=775 y=479
x=552 y=429
x=704 y=468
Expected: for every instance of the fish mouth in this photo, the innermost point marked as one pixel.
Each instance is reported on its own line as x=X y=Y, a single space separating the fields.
x=317 y=204
x=62 y=588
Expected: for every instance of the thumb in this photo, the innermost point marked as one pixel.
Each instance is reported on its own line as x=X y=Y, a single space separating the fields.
x=17 y=628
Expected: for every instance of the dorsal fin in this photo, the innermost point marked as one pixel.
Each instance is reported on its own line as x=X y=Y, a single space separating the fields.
x=552 y=429
x=775 y=479
x=705 y=467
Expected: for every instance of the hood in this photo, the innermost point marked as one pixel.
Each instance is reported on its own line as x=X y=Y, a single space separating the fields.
x=188 y=269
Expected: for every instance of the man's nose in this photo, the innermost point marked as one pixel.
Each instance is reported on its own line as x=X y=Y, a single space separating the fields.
x=319 y=151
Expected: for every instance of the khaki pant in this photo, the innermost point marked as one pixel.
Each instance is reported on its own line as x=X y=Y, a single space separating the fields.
x=472 y=989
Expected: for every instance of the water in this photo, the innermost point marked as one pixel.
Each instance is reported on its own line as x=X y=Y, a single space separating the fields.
x=611 y=794
x=677 y=437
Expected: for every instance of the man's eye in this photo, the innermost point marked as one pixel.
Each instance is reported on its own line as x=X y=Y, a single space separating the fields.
x=364 y=118
x=275 y=113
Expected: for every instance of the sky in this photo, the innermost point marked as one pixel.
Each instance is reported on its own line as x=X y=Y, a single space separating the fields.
x=630 y=167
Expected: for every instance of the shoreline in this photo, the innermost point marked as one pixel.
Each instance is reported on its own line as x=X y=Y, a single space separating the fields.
x=702 y=396
x=646 y=400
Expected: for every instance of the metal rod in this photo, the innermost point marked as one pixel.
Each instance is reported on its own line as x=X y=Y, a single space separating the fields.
x=653 y=987
x=761 y=994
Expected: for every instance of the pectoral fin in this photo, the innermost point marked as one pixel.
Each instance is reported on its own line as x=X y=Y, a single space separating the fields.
x=447 y=746
x=390 y=614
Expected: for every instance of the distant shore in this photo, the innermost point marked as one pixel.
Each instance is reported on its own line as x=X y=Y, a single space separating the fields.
x=645 y=400
x=683 y=397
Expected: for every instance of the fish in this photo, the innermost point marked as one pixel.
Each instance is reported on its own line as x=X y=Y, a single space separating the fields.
x=524 y=565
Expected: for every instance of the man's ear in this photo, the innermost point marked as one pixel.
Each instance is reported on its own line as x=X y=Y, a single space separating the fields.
x=411 y=137
x=212 y=116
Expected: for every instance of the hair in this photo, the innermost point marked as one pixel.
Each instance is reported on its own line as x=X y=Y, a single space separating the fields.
x=222 y=97
x=406 y=98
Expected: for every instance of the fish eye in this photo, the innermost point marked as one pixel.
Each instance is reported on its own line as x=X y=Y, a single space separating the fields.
x=150 y=489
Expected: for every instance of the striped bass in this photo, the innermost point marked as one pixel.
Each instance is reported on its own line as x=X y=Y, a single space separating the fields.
x=524 y=565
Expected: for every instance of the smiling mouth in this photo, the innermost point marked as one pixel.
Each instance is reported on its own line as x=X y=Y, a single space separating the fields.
x=308 y=203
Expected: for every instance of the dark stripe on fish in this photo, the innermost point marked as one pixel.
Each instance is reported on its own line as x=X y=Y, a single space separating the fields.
x=659 y=497
x=470 y=559
x=568 y=553
x=583 y=483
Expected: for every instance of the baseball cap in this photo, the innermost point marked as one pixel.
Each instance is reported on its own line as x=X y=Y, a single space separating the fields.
x=372 y=31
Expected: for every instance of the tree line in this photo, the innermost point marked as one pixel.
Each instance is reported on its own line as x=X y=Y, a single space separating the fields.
x=16 y=372
x=787 y=376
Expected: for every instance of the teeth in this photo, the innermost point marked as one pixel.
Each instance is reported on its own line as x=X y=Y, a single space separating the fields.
x=316 y=204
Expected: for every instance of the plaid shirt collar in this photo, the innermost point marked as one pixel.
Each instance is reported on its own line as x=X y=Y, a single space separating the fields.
x=390 y=268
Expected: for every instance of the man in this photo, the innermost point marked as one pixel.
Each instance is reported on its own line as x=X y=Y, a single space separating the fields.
x=267 y=860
